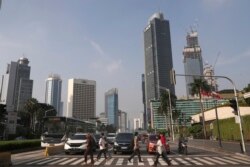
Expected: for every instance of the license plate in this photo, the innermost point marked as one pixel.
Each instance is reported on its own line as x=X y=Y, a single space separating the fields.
x=124 y=148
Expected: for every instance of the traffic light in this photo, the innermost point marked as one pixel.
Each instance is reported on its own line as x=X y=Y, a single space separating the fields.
x=233 y=104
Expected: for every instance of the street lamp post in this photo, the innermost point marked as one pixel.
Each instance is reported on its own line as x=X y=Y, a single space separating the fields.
x=170 y=110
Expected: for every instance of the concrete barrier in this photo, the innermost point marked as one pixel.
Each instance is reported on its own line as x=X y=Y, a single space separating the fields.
x=52 y=150
x=5 y=159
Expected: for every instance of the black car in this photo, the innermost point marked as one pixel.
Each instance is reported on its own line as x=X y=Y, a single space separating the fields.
x=123 y=143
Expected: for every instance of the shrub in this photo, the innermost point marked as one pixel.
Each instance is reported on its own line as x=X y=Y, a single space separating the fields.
x=18 y=144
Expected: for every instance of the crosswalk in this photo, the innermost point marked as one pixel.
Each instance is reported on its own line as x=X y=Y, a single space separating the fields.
x=121 y=161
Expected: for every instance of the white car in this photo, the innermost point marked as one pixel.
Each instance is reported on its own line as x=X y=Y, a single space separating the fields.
x=77 y=143
x=111 y=138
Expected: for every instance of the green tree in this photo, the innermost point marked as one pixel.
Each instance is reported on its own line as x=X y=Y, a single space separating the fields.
x=197 y=87
x=30 y=107
x=164 y=108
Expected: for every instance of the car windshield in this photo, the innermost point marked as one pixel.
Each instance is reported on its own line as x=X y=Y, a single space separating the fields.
x=111 y=135
x=124 y=136
x=152 y=137
x=78 y=137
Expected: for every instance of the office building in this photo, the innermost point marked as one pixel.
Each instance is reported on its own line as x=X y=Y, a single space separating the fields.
x=137 y=124
x=158 y=59
x=111 y=106
x=144 y=102
x=81 y=101
x=208 y=73
x=53 y=92
x=123 y=119
x=16 y=89
x=192 y=60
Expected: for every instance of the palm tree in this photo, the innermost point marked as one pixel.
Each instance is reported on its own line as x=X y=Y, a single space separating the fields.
x=30 y=107
x=197 y=87
x=164 y=108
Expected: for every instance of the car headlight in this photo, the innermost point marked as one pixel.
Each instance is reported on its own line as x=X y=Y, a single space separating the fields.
x=116 y=144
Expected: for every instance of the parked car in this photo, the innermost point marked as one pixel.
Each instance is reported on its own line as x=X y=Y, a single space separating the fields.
x=151 y=142
x=123 y=143
x=77 y=143
x=111 y=138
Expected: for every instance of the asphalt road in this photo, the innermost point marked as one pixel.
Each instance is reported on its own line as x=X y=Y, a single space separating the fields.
x=195 y=157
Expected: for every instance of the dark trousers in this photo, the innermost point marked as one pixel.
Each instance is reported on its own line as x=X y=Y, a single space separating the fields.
x=136 y=151
x=103 y=151
x=89 y=151
x=164 y=156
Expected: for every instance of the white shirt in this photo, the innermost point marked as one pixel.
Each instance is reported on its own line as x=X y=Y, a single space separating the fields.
x=102 y=143
x=159 y=146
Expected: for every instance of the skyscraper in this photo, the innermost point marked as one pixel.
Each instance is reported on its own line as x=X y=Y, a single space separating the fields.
x=16 y=85
x=144 y=102
x=81 y=101
x=158 y=58
x=16 y=89
x=192 y=60
x=111 y=106
x=53 y=92
x=122 y=121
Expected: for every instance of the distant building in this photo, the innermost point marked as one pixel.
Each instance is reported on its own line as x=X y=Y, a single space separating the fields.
x=137 y=124
x=193 y=64
x=158 y=121
x=53 y=92
x=16 y=89
x=158 y=59
x=144 y=102
x=208 y=73
x=123 y=119
x=81 y=101
x=111 y=106
x=103 y=119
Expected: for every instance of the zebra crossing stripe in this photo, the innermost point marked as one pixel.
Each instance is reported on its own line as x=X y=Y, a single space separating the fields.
x=225 y=160
x=204 y=161
x=58 y=161
x=162 y=162
x=77 y=162
x=237 y=160
x=183 y=161
x=119 y=162
x=99 y=161
x=40 y=160
x=68 y=161
x=173 y=162
x=131 y=162
x=109 y=161
x=242 y=158
x=193 y=161
x=150 y=161
x=214 y=160
x=49 y=160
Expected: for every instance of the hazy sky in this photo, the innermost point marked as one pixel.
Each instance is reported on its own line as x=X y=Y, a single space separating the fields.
x=102 y=40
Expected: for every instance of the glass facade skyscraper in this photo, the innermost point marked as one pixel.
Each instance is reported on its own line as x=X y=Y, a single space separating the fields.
x=53 y=92
x=158 y=58
x=193 y=64
x=111 y=107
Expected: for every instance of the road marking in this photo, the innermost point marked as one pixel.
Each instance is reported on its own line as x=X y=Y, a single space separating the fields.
x=193 y=161
x=68 y=161
x=99 y=161
x=109 y=161
x=77 y=162
x=49 y=160
x=183 y=161
x=150 y=161
x=224 y=160
x=58 y=161
x=214 y=160
x=237 y=160
x=119 y=162
x=37 y=161
x=204 y=161
x=241 y=158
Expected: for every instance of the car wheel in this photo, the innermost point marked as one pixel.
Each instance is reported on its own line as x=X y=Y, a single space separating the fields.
x=114 y=152
x=67 y=153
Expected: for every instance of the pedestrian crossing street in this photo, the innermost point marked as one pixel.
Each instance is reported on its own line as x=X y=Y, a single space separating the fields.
x=118 y=161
